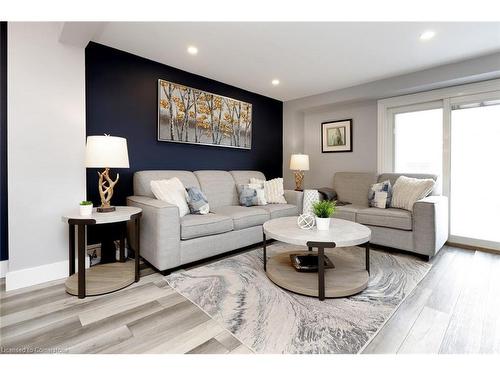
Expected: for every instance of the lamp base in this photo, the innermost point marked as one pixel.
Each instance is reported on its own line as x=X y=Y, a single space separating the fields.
x=106 y=209
x=299 y=177
x=106 y=186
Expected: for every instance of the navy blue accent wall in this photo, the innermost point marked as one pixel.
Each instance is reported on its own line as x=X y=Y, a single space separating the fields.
x=121 y=100
x=4 y=254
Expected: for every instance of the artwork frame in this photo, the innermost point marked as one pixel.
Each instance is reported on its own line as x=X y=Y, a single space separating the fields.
x=212 y=119
x=336 y=136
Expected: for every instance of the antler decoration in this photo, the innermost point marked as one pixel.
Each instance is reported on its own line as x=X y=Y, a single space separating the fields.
x=106 y=191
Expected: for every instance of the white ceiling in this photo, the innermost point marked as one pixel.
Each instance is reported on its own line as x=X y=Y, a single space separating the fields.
x=307 y=58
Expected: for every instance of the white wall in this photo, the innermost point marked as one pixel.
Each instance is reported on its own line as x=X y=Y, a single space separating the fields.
x=363 y=158
x=303 y=116
x=46 y=145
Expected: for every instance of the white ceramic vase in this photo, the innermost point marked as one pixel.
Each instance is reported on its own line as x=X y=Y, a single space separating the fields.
x=323 y=223
x=86 y=210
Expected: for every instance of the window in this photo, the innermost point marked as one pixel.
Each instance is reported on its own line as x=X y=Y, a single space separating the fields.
x=418 y=141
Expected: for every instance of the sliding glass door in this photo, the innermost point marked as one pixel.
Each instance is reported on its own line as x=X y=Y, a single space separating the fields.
x=458 y=139
x=475 y=172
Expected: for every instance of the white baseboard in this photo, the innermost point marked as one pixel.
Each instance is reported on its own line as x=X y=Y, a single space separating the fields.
x=4 y=267
x=40 y=274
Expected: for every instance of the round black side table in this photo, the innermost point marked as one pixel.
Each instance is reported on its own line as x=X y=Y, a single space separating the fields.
x=101 y=278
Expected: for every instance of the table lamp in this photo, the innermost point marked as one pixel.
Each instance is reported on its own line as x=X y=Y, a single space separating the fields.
x=299 y=163
x=105 y=151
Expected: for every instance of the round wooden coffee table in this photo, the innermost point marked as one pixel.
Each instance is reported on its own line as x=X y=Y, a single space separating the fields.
x=345 y=279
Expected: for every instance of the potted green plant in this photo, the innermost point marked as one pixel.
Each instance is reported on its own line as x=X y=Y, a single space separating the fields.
x=86 y=208
x=323 y=211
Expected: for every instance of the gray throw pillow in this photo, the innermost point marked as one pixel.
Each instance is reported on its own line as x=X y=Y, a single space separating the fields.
x=251 y=195
x=197 y=201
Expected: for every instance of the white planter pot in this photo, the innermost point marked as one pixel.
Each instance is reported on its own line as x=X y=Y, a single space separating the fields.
x=86 y=210
x=323 y=223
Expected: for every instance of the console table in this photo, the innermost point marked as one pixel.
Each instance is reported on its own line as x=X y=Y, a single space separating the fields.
x=101 y=278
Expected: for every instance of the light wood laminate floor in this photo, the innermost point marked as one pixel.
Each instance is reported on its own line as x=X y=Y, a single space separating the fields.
x=455 y=309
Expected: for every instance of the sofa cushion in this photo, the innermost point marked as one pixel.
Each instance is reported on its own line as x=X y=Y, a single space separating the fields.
x=353 y=187
x=385 y=217
x=193 y=226
x=281 y=210
x=347 y=212
x=219 y=187
x=243 y=217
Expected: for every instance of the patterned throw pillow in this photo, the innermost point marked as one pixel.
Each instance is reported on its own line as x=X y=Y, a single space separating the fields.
x=251 y=195
x=273 y=189
x=310 y=197
x=197 y=201
x=380 y=195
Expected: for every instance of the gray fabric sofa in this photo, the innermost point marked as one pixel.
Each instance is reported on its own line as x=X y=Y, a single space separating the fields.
x=168 y=241
x=423 y=231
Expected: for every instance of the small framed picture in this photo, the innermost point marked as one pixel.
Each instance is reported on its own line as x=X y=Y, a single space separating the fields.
x=336 y=136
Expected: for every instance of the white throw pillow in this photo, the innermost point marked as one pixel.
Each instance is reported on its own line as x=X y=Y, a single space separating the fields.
x=407 y=191
x=257 y=181
x=171 y=191
x=273 y=189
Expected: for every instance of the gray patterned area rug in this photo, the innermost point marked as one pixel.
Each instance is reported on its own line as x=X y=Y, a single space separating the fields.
x=236 y=292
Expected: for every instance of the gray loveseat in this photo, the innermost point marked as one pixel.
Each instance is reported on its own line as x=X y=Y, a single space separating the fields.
x=168 y=241
x=423 y=231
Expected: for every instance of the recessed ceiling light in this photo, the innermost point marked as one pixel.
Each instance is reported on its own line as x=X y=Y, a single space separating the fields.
x=192 y=50
x=427 y=35
x=275 y=82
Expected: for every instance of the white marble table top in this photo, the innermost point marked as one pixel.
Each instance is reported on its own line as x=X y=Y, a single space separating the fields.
x=122 y=213
x=343 y=232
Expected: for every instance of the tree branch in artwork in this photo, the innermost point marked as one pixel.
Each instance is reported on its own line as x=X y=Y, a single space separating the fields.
x=230 y=126
x=168 y=90
x=246 y=116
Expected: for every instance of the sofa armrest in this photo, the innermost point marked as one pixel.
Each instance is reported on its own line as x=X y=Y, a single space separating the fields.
x=160 y=232
x=430 y=225
x=295 y=197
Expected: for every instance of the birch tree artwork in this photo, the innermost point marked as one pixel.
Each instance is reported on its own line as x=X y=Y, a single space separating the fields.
x=189 y=115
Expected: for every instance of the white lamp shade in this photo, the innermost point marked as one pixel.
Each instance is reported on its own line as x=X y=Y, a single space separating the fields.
x=299 y=162
x=104 y=151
